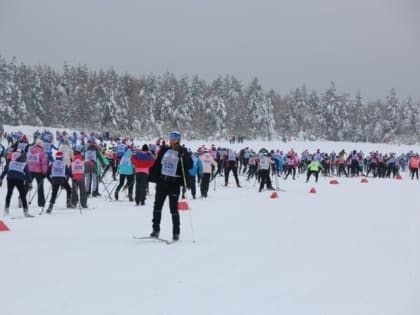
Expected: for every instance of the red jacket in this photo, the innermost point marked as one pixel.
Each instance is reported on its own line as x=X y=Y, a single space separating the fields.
x=414 y=162
x=142 y=161
x=78 y=167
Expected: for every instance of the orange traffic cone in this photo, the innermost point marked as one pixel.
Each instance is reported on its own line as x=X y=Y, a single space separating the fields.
x=3 y=227
x=364 y=180
x=333 y=182
x=274 y=195
x=183 y=205
x=312 y=191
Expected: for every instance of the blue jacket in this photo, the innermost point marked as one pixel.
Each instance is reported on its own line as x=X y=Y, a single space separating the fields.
x=197 y=167
x=126 y=167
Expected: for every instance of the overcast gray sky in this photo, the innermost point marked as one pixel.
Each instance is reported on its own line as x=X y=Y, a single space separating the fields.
x=371 y=45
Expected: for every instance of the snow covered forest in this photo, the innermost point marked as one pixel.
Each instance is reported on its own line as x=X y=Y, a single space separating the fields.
x=152 y=105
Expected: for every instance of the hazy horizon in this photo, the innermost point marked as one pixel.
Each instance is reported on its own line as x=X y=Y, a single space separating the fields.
x=371 y=46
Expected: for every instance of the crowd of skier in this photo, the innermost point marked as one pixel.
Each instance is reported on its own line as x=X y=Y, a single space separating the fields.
x=79 y=163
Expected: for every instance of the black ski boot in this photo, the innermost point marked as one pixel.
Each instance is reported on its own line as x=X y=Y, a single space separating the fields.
x=154 y=234
x=49 y=210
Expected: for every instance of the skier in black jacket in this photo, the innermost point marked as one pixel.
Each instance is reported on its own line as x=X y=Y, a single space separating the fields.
x=168 y=172
x=19 y=176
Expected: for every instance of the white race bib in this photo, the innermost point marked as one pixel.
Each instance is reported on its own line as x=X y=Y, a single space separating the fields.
x=33 y=157
x=170 y=163
x=264 y=163
x=77 y=167
x=58 y=169
x=17 y=166
x=90 y=155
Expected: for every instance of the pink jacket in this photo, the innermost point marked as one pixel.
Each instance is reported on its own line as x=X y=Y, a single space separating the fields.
x=37 y=160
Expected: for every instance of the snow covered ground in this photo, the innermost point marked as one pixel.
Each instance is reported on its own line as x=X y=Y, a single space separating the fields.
x=351 y=248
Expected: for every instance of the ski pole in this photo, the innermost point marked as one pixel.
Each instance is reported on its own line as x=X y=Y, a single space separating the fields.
x=184 y=179
x=113 y=187
x=35 y=192
x=214 y=184
x=276 y=180
x=106 y=189
x=59 y=192
x=185 y=185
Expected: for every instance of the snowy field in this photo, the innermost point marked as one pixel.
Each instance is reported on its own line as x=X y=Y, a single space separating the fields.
x=349 y=249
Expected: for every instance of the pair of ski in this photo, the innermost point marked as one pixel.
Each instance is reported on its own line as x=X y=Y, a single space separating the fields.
x=163 y=240
x=59 y=209
x=279 y=189
x=22 y=217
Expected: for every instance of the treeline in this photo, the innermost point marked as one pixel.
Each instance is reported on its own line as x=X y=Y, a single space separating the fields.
x=153 y=105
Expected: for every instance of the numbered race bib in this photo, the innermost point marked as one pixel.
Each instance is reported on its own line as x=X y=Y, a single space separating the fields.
x=77 y=167
x=17 y=166
x=58 y=169
x=264 y=164
x=121 y=149
x=170 y=163
x=206 y=162
x=33 y=157
x=90 y=155
x=22 y=146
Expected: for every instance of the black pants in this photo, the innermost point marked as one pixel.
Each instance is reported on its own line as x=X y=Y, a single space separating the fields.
x=342 y=169
x=265 y=179
x=354 y=168
x=172 y=190
x=290 y=170
x=114 y=166
x=191 y=184
x=76 y=187
x=414 y=172
x=20 y=185
x=251 y=171
x=40 y=188
x=141 y=187
x=315 y=173
x=130 y=182
x=204 y=185
x=56 y=183
x=235 y=174
x=371 y=167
